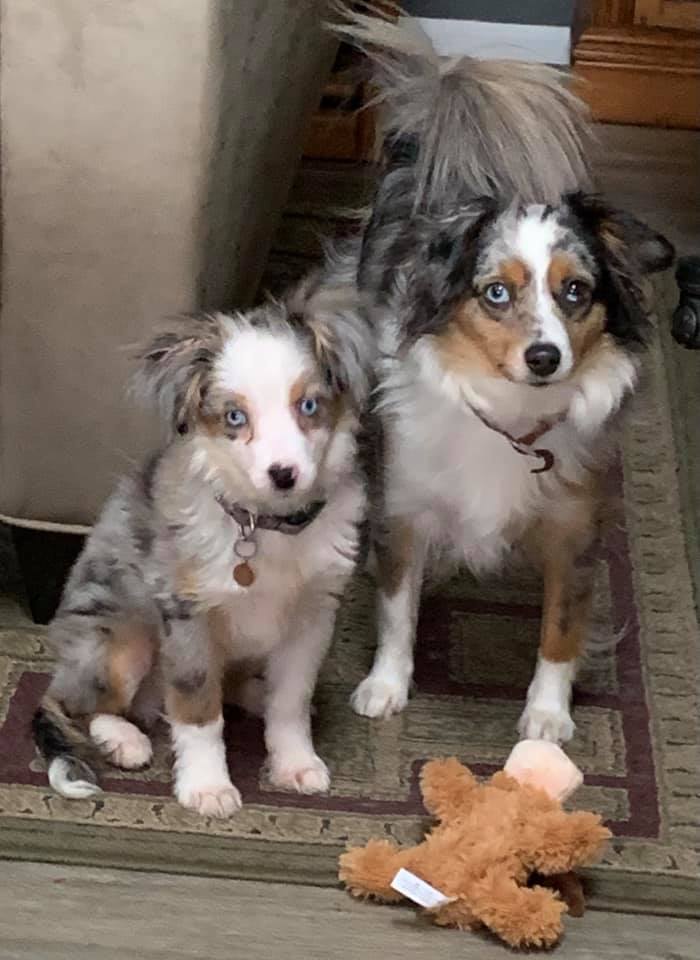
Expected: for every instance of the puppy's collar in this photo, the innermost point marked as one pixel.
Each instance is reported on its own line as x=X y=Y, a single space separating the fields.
x=523 y=445
x=290 y=523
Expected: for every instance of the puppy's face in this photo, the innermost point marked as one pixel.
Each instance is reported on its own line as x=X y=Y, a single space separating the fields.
x=269 y=399
x=528 y=294
x=269 y=415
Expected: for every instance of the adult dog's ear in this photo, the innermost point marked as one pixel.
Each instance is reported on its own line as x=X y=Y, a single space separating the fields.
x=627 y=251
x=175 y=365
x=337 y=319
x=444 y=267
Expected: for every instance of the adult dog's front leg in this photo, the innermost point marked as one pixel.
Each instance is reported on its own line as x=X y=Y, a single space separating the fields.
x=291 y=677
x=400 y=560
x=569 y=570
x=192 y=674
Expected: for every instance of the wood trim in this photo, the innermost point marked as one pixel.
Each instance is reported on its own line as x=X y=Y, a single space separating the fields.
x=641 y=76
x=677 y=14
x=612 y=13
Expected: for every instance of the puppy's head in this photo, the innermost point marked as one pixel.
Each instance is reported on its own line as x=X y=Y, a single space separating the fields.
x=527 y=294
x=270 y=399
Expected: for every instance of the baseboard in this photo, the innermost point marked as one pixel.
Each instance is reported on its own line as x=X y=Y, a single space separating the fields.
x=640 y=76
x=534 y=43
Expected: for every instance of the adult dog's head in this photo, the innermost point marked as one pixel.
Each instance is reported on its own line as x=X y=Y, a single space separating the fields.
x=268 y=400
x=533 y=294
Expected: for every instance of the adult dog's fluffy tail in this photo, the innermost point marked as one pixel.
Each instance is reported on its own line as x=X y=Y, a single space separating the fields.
x=489 y=128
x=66 y=749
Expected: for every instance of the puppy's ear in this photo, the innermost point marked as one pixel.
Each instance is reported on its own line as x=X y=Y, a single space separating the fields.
x=444 y=267
x=337 y=319
x=628 y=251
x=174 y=367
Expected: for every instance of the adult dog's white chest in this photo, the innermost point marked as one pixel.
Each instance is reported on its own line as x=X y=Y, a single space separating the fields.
x=465 y=487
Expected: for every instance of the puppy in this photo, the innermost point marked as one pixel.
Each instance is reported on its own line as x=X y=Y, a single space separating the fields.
x=231 y=547
x=513 y=310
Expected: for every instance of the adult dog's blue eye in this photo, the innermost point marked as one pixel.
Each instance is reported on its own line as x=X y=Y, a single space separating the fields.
x=497 y=293
x=308 y=406
x=236 y=418
x=575 y=291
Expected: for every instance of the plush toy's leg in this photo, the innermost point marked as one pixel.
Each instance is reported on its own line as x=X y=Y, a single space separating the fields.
x=560 y=841
x=569 y=887
x=446 y=786
x=522 y=916
x=368 y=871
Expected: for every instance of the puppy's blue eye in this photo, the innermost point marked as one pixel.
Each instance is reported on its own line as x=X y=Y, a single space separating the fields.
x=497 y=293
x=308 y=406
x=236 y=418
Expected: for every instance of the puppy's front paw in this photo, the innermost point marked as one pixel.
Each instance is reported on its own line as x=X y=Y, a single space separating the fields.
x=380 y=696
x=307 y=774
x=538 y=723
x=120 y=742
x=209 y=800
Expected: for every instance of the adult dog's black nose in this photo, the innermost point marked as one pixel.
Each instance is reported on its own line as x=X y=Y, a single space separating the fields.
x=283 y=478
x=543 y=358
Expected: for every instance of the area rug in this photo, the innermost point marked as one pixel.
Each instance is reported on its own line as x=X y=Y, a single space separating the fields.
x=636 y=708
x=637 y=703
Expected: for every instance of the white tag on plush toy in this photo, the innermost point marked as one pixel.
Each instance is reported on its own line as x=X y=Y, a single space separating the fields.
x=411 y=886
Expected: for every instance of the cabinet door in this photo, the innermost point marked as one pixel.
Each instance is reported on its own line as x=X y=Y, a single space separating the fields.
x=676 y=14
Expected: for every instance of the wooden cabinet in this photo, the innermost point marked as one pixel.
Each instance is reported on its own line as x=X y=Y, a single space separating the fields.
x=673 y=14
x=639 y=62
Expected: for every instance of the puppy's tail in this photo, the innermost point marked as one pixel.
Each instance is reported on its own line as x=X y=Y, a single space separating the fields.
x=66 y=749
x=491 y=128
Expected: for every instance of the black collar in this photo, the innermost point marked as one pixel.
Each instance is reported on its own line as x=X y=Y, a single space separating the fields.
x=290 y=523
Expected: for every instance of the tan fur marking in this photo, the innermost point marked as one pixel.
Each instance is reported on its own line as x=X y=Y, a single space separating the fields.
x=202 y=703
x=330 y=409
x=187 y=583
x=394 y=556
x=213 y=416
x=474 y=341
x=568 y=576
x=200 y=707
x=562 y=266
x=586 y=333
x=128 y=661
x=514 y=274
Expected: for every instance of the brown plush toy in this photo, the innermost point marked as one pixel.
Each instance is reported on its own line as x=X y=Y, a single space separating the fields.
x=490 y=840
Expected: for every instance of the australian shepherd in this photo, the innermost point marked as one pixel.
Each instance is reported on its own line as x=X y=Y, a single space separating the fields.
x=512 y=312
x=218 y=567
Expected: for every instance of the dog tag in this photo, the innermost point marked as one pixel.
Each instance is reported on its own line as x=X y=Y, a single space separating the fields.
x=243 y=574
x=245 y=549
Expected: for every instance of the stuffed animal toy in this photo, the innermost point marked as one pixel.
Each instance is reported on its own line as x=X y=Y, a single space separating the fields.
x=473 y=868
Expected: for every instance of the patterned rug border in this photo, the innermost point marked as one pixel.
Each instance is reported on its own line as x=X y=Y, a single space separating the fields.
x=666 y=610
x=306 y=864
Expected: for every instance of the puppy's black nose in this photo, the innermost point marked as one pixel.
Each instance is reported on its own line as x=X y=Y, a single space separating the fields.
x=543 y=358
x=283 y=478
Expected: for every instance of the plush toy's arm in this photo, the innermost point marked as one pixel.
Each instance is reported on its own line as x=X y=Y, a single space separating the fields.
x=522 y=916
x=368 y=871
x=447 y=787
x=558 y=841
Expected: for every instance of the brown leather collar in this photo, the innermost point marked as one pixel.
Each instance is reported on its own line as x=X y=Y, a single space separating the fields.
x=523 y=445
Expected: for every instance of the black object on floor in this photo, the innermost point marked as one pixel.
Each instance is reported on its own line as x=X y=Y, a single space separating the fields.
x=685 y=324
x=45 y=560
